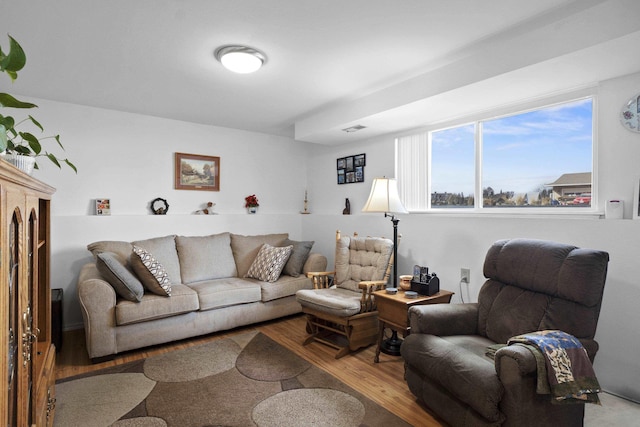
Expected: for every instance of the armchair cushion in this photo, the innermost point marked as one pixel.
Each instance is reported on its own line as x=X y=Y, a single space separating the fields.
x=457 y=366
x=333 y=301
x=361 y=259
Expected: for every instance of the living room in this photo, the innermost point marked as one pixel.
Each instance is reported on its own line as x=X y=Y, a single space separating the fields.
x=127 y=155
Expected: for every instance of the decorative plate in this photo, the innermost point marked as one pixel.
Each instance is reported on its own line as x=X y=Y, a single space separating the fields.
x=630 y=114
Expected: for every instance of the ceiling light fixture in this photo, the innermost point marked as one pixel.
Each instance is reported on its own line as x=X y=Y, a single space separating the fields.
x=240 y=59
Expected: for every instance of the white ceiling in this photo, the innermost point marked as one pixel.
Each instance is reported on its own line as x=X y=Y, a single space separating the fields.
x=385 y=64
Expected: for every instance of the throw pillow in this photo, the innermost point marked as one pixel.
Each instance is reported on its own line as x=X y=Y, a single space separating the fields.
x=269 y=263
x=165 y=252
x=246 y=248
x=125 y=283
x=151 y=273
x=298 y=257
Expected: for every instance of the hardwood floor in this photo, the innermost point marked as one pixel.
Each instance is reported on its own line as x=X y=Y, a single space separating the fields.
x=382 y=382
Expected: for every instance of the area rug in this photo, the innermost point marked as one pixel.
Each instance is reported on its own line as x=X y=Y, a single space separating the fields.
x=244 y=380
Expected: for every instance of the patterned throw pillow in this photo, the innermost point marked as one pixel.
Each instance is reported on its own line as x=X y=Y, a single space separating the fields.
x=150 y=272
x=269 y=263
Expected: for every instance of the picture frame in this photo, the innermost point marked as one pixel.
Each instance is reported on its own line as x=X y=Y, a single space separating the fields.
x=636 y=200
x=103 y=207
x=197 y=172
x=360 y=160
x=350 y=169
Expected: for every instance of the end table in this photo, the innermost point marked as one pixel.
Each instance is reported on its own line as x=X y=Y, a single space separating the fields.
x=393 y=313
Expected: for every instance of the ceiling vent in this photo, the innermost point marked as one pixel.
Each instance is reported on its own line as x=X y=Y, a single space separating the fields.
x=355 y=128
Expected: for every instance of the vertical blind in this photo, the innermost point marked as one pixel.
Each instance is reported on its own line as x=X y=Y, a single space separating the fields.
x=412 y=171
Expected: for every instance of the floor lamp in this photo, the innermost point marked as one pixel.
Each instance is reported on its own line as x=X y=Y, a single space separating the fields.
x=384 y=198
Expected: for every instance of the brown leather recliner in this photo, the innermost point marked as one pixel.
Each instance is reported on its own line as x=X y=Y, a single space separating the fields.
x=531 y=285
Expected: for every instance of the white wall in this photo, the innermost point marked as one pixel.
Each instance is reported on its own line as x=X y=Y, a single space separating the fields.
x=448 y=243
x=129 y=158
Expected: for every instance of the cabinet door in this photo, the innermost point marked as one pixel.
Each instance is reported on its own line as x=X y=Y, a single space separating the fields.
x=13 y=317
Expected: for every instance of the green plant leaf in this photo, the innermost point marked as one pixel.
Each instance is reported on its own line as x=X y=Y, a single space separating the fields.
x=7 y=100
x=13 y=61
x=54 y=160
x=57 y=137
x=21 y=149
x=35 y=122
x=33 y=142
x=71 y=165
x=7 y=121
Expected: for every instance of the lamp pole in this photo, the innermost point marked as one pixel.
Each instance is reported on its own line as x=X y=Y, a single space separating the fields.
x=392 y=344
x=395 y=222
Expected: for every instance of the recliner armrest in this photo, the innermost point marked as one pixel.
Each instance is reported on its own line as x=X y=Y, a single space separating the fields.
x=444 y=319
x=513 y=362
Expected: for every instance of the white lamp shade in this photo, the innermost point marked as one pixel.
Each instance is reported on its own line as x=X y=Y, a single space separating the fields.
x=384 y=197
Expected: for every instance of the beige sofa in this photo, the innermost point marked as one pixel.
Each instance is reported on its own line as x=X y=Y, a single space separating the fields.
x=185 y=286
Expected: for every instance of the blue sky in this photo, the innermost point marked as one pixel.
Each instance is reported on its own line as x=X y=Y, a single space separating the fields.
x=520 y=152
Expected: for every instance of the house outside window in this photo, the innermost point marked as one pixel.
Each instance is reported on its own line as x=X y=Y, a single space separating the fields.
x=540 y=158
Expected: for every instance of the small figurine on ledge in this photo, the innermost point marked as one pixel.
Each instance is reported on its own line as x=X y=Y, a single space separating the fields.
x=208 y=210
x=306 y=204
x=347 y=207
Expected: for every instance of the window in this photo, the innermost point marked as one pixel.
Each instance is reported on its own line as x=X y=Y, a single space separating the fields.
x=533 y=159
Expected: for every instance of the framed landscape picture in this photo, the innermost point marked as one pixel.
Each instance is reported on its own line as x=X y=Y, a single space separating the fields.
x=197 y=172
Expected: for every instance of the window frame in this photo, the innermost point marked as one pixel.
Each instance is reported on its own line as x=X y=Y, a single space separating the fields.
x=595 y=210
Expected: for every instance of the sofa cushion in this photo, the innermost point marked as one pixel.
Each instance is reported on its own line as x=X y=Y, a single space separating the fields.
x=164 y=251
x=336 y=301
x=298 y=256
x=269 y=263
x=246 y=248
x=122 y=250
x=183 y=300
x=151 y=272
x=219 y=293
x=285 y=286
x=124 y=282
x=205 y=258
x=457 y=367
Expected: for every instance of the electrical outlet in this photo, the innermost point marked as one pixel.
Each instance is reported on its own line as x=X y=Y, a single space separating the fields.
x=465 y=275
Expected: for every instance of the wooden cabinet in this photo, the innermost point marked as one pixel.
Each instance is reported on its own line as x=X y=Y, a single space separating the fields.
x=27 y=356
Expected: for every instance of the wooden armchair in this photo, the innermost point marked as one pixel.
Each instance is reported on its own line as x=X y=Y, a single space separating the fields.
x=341 y=310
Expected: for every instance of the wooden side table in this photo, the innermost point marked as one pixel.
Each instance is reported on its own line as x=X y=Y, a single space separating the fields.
x=393 y=313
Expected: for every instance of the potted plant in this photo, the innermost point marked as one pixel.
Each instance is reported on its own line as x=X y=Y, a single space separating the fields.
x=251 y=203
x=19 y=146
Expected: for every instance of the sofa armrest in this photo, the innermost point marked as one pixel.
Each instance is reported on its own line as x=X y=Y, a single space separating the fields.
x=444 y=319
x=315 y=262
x=98 y=304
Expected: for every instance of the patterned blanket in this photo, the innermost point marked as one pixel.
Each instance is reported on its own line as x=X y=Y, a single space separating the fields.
x=566 y=366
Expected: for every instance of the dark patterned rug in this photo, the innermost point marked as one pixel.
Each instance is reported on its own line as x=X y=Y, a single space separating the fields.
x=245 y=380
